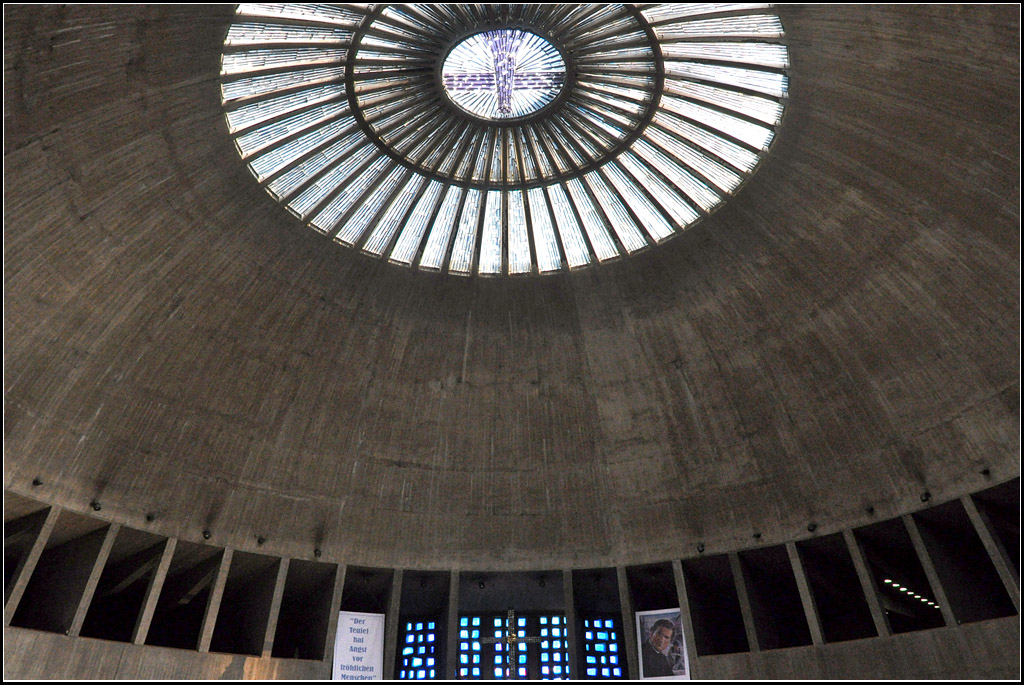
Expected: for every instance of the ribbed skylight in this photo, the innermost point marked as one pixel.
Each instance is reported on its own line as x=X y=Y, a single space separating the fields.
x=503 y=139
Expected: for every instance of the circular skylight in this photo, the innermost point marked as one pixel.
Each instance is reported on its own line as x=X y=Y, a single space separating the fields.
x=503 y=74
x=503 y=139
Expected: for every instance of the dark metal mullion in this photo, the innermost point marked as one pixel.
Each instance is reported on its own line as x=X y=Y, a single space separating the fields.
x=329 y=197
x=277 y=118
x=389 y=106
x=591 y=21
x=425 y=55
x=412 y=114
x=459 y=154
x=740 y=90
x=441 y=135
x=385 y=252
x=275 y=20
x=485 y=180
x=239 y=103
x=277 y=71
x=620 y=26
x=609 y=80
x=724 y=62
x=409 y=23
x=386 y=31
x=527 y=214
x=588 y=88
x=358 y=202
x=368 y=90
x=739 y=12
x=423 y=65
x=597 y=134
x=434 y=21
x=418 y=251
x=584 y=98
x=344 y=45
x=446 y=261
x=505 y=216
x=738 y=38
x=360 y=243
x=532 y=142
x=560 y=13
x=597 y=49
x=605 y=219
x=583 y=70
x=463 y=150
x=423 y=73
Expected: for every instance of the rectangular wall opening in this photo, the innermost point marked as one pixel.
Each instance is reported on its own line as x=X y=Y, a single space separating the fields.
x=1000 y=506
x=897 y=572
x=23 y=521
x=714 y=606
x=178 y=618
x=601 y=652
x=120 y=594
x=423 y=625
x=241 y=626
x=58 y=583
x=843 y=610
x=974 y=590
x=775 y=605
x=305 y=610
x=367 y=590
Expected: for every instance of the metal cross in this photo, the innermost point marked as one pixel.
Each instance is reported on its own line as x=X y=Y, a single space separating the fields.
x=511 y=641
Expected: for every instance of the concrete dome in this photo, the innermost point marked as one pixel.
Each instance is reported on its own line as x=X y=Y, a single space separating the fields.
x=841 y=336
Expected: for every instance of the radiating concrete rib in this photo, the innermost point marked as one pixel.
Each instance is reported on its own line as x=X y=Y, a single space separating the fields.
x=867 y=583
x=23 y=572
x=153 y=589
x=94 y=580
x=745 y=608
x=275 y=607
x=929 y=570
x=452 y=639
x=391 y=625
x=689 y=640
x=332 y=619
x=213 y=603
x=806 y=597
x=628 y=629
x=570 y=621
x=995 y=548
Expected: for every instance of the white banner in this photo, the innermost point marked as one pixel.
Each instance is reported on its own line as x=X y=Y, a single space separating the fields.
x=359 y=649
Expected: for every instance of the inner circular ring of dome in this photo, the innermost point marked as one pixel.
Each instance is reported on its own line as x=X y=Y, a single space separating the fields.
x=503 y=74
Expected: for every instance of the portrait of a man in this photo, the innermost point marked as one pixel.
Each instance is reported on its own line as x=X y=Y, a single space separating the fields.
x=662 y=650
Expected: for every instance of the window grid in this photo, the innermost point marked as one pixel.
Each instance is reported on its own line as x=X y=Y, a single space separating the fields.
x=548 y=659
x=601 y=649
x=419 y=651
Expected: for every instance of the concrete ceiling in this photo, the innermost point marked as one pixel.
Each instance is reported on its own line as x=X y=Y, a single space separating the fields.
x=844 y=334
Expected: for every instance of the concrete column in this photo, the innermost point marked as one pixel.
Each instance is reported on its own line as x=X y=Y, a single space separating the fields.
x=332 y=619
x=867 y=584
x=628 y=624
x=391 y=622
x=570 y=620
x=275 y=607
x=995 y=548
x=94 y=579
x=689 y=639
x=929 y=570
x=451 y=647
x=23 y=572
x=213 y=602
x=153 y=589
x=806 y=598
x=745 y=608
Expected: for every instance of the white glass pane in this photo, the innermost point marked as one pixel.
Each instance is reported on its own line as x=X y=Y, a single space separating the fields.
x=322 y=187
x=267 y=164
x=625 y=228
x=412 y=235
x=698 y=192
x=766 y=82
x=246 y=33
x=369 y=208
x=763 y=54
x=674 y=10
x=665 y=195
x=327 y=14
x=649 y=216
x=278 y=58
x=543 y=232
x=498 y=160
x=518 y=239
x=263 y=85
x=465 y=240
x=440 y=232
x=576 y=252
x=326 y=219
x=760 y=25
x=603 y=244
x=389 y=223
x=257 y=112
x=490 y=240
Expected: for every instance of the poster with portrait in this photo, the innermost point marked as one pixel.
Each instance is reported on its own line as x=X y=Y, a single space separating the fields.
x=662 y=645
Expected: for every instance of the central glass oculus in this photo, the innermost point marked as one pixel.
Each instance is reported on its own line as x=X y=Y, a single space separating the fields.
x=503 y=74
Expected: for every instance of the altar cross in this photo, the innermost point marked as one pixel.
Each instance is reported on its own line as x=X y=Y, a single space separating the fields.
x=511 y=641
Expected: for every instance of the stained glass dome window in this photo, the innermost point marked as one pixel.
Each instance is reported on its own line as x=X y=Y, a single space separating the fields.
x=503 y=140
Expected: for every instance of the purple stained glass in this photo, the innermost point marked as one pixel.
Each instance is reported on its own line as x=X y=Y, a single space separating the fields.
x=503 y=74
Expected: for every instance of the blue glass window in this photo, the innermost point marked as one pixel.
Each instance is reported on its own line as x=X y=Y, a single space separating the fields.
x=420 y=654
x=600 y=647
